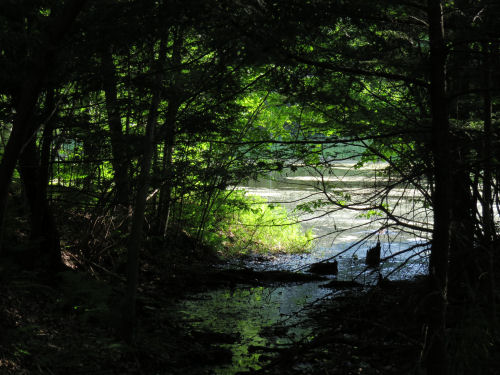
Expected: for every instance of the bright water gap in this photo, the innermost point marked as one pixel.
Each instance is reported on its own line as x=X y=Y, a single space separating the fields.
x=250 y=311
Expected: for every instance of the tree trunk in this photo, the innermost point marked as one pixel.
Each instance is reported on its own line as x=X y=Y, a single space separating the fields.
x=487 y=203
x=44 y=234
x=118 y=145
x=23 y=128
x=127 y=328
x=166 y=191
x=462 y=261
x=169 y=128
x=436 y=361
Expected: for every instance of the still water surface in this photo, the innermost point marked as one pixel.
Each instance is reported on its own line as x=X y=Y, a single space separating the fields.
x=250 y=312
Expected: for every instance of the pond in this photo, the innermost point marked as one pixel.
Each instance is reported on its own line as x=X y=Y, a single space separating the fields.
x=251 y=313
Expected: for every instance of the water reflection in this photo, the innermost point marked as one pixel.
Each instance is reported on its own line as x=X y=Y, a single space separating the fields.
x=248 y=312
x=344 y=234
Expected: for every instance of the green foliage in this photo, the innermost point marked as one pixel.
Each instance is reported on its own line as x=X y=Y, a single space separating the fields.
x=311 y=206
x=241 y=224
x=257 y=226
x=370 y=214
x=245 y=88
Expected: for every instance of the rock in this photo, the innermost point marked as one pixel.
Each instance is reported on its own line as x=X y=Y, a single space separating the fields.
x=325 y=268
x=341 y=284
x=373 y=256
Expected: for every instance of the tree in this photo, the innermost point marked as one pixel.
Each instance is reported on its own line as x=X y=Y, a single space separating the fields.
x=438 y=263
x=24 y=102
x=407 y=49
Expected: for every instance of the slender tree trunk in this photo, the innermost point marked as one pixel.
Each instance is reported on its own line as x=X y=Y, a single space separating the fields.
x=47 y=138
x=436 y=361
x=118 y=146
x=166 y=191
x=461 y=230
x=487 y=203
x=169 y=128
x=135 y=239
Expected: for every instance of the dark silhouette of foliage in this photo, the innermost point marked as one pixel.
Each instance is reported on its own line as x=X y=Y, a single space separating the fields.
x=127 y=125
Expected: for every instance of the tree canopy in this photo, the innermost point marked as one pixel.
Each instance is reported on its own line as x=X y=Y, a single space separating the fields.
x=128 y=123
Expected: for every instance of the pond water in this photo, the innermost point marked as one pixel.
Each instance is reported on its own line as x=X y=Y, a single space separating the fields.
x=250 y=312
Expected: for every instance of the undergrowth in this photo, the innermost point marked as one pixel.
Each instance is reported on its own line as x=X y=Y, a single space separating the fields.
x=249 y=224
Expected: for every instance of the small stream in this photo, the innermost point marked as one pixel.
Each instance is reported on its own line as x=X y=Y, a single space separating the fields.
x=251 y=313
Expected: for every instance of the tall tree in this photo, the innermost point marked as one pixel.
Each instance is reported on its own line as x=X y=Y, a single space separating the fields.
x=135 y=237
x=42 y=63
x=438 y=263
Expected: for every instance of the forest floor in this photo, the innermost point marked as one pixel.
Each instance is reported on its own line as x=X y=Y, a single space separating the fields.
x=68 y=327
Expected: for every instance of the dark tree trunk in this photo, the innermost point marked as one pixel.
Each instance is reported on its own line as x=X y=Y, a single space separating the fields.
x=166 y=190
x=461 y=275
x=127 y=328
x=169 y=130
x=489 y=235
x=44 y=234
x=47 y=138
x=118 y=145
x=23 y=128
x=436 y=360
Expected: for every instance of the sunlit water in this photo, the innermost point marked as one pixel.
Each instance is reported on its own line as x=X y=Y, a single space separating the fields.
x=343 y=234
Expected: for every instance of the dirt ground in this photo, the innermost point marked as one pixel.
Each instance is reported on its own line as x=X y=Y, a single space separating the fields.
x=68 y=327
